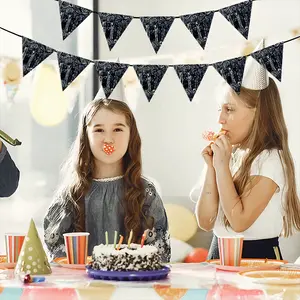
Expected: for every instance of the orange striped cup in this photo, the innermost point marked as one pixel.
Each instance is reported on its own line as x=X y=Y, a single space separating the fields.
x=230 y=250
x=76 y=247
x=13 y=245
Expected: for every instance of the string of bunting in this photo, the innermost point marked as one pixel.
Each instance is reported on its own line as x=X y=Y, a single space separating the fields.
x=150 y=76
x=156 y=28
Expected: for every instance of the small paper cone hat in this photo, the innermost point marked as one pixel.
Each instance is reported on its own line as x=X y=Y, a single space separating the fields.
x=255 y=75
x=32 y=258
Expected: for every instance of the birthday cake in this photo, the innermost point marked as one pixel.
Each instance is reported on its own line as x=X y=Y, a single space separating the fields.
x=133 y=258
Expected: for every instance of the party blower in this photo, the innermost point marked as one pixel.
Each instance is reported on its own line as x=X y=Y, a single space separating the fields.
x=8 y=139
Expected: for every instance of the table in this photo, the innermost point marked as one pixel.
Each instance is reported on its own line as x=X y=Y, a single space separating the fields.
x=186 y=282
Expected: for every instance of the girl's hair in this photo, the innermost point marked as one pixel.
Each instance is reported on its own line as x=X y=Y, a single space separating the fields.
x=268 y=132
x=80 y=169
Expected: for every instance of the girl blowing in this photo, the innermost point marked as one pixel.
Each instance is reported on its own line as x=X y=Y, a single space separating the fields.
x=104 y=188
x=249 y=186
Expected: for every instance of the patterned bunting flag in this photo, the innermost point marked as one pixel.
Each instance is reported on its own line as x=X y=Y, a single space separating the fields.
x=271 y=59
x=239 y=16
x=190 y=77
x=113 y=25
x=110 y=74
x=232 y=71
x=70 y=67
x=71 y=16
x=157 y=28
x=33 y=54
x=150 y=77
x=199 y=25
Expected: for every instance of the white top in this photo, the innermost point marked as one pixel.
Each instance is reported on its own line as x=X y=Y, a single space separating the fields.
x=270 y=222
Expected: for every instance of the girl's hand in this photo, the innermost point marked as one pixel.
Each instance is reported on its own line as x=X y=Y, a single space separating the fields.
x=207 y=154
x=221 y=152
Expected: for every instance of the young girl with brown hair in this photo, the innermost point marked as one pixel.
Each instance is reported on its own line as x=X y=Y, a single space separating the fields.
x=104 y=189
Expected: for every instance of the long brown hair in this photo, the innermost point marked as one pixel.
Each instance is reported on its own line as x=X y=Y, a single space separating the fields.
x=80 y=168
x=268 y=132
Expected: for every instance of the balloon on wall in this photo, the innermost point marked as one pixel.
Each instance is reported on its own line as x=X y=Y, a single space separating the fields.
x=49 y=105
x=182 y=222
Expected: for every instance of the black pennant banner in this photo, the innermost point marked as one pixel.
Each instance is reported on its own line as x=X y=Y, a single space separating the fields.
x=70 y=67
x=190 y=77
x=271 y=59
x=150 y=77
x=113 y=27
x=199 y=25
x=239 y=16
x=232 y=71
x=110 y=74
x=157 y=29
x=33 y=53
x=71 y=16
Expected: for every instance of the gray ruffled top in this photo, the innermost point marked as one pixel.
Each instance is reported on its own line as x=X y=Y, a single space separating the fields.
x=104 y=212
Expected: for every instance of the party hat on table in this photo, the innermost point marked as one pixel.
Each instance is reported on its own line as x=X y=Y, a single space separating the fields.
x=33 y=259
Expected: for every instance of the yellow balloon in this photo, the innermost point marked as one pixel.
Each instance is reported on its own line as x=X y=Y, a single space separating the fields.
x=49 y=104
x=182 y=222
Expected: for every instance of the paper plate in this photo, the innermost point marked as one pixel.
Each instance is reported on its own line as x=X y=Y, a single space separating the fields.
x=250 y=264
x=4 y=264
x=63 y=262
x=128 y=275
x=273 y=276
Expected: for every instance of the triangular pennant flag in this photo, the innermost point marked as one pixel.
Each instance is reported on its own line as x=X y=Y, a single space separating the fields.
x=190 y=77
x=110 y=74
x=113 y=26
x=157 y=29
x=232 y=71
x=33 y=54
x=271 y=59
x=150 y=77
x=70 y=67
x=71 y=16
x=239 y=16
x=199 y=25
x=32 y=259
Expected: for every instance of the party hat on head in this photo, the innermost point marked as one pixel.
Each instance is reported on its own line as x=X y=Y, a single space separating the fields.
x=32 y=259
x=255 y=75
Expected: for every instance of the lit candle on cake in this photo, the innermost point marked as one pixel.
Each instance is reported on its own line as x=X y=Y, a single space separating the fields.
x=120 y=242
x=143 y=238
x=130 y=238
x=106 y=237
x=115 y=239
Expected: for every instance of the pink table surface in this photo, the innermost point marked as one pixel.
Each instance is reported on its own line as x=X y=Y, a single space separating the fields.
x=186 y=281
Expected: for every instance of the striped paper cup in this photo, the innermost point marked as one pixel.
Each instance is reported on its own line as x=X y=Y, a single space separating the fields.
x=76 y=247
x=13 y=245
x=230 y=250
